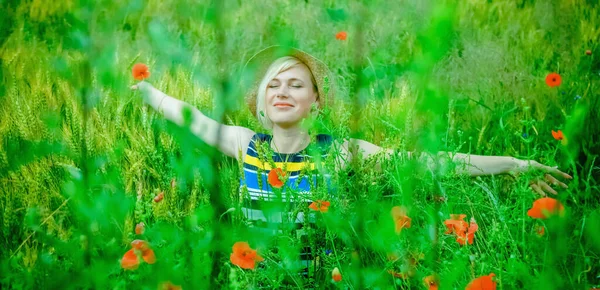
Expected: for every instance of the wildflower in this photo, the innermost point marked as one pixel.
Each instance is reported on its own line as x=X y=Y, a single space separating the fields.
x=328 y=252
x=131 y=260
x=456 y=223
x=244 y=256
x=588 y=52
x=525 y=135
x=342 y=35
x=320 y=205
x=336 y=275
x=143 y=247
x=469 y=235
x=577 y=97
x=540 y=230
x=159 y=197
x=546 y=207
x=139 y=228
x=140 y=71
x=401 y=220
x=465 y=232
x=431 y=282
x=168 y=286
x=482 y=283
x=275 y=177
x=558 y=135
x=140 y=245
x=553 y=80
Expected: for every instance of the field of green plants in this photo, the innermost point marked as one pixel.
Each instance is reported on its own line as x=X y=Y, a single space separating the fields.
x=98 y=191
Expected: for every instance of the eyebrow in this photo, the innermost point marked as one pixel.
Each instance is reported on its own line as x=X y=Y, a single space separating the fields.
x=292 y=79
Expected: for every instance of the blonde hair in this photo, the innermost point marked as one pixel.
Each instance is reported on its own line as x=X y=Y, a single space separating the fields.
x=278 y=66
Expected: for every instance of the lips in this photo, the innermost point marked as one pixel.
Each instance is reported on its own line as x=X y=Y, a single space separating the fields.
x=282 y=105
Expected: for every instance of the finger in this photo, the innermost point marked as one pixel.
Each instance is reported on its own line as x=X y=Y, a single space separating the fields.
x=547 y=187
x=537 y=189
x=564 y=175
x=555 y=181
x=555 y=171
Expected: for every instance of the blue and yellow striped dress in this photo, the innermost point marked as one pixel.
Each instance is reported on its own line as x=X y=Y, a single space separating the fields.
x=275 y=211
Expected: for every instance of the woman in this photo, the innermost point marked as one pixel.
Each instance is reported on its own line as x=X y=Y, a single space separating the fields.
x=287 y=160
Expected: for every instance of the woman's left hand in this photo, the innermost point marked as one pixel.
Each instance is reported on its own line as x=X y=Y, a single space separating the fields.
x=539 y=185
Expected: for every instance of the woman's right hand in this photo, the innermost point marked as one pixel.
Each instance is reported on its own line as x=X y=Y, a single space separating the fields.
x=138 y=86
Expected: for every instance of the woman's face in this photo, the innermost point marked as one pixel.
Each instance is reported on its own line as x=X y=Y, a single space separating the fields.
x=290 y=95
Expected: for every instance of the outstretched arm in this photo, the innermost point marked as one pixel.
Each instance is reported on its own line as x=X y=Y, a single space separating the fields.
x=472 y=165
x=233 y=139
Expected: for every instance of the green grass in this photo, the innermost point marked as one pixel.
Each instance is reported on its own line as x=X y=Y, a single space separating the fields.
x=82 y=157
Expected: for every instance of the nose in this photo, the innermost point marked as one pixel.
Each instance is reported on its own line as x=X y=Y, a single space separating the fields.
x=283 y=91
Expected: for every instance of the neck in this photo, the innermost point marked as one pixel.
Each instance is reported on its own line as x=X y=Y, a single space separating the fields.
x=289 y=140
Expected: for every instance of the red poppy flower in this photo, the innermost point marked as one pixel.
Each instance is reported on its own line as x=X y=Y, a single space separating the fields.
x=401 y=220
x=456 y=223
x=244 y=256
x=482 y=283
x=546 y=207
x=465 y=232
x=342 y=35
x=140 y=71
x=149 y=256
x=169 y=286
x=553 y=80
x=469 y=235
x=139 y=228
x=140 y=245
x=276 y=177
x=431 y=282
x=159 y=197
x=320 y=205
x=144 y=248
x=558 y=135
x=130 y=260
x=336 y=275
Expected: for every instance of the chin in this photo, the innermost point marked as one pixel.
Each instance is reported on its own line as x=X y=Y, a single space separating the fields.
x=285 y=123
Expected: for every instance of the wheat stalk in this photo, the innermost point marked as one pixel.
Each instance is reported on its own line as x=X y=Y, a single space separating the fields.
x=43 y=222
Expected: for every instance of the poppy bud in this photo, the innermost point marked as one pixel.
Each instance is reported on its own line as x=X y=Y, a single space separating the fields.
x=336 y=275
x=139 y=228
x=159 y=197
x=342 y=35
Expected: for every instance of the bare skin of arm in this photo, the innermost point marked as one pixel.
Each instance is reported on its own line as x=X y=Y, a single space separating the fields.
x=233 y=139
x=467 y=164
